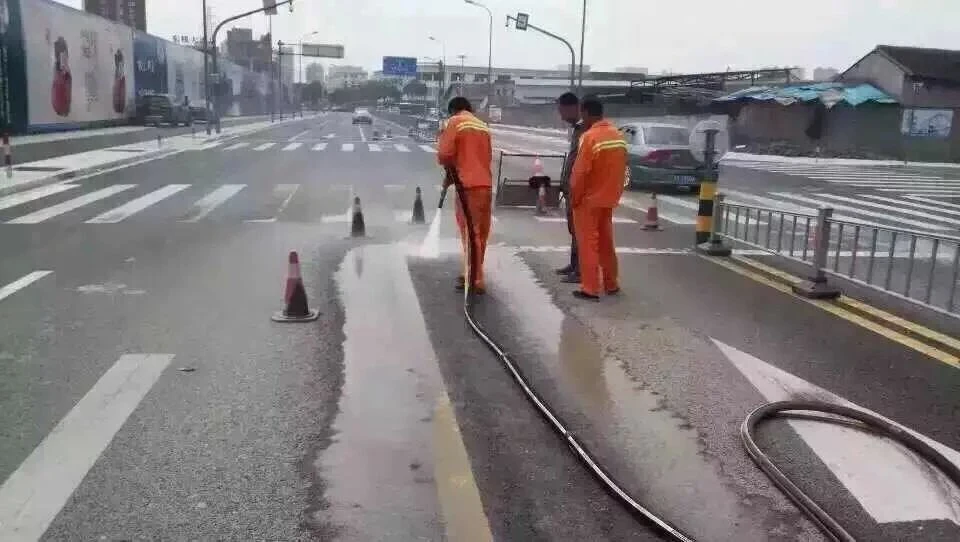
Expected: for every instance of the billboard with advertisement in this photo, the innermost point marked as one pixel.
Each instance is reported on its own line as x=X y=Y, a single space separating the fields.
x=149 y=65
x=79 y=67
x=184 y=72
x=934 y=123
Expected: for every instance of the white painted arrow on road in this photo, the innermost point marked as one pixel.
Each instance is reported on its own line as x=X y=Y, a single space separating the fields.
x=891 y=483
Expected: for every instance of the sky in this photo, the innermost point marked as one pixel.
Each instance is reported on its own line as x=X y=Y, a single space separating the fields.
x=660 y=35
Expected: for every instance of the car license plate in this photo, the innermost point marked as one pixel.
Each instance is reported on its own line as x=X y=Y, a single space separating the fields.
x=685 y=179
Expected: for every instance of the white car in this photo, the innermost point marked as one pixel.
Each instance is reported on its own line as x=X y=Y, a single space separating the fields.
x=362 y=116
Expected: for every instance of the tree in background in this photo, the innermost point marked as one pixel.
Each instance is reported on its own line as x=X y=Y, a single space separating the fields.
x=415 y=88
x=312 y=92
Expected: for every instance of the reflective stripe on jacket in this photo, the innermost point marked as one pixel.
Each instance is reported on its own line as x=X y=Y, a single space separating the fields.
x=465 y=146
x=600 y=168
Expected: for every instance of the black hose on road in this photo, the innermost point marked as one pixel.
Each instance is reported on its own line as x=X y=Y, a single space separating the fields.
x=830 y=413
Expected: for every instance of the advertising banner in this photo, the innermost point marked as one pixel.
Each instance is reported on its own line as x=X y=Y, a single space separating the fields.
x=150 y=65
x=79 y=67
x=935 y=123
x=184 y=67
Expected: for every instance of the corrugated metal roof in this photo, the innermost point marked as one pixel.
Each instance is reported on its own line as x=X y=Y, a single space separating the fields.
x=830 y=94
x=942 y=64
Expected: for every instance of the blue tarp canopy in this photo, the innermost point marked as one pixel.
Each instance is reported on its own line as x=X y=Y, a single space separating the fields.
x=829 y=93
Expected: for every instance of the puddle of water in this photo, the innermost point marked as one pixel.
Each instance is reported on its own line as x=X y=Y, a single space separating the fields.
x=379 y=471
x=659 y=450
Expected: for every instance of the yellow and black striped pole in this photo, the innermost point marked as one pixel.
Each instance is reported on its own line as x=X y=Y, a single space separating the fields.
x=708 y=188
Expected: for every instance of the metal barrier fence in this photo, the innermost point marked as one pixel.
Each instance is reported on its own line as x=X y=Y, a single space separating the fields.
x=917 y=266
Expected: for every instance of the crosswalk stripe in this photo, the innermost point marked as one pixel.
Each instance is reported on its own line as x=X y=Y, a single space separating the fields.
x=946 y=191
x=891 y=208
x=401 y=148
x=263 y=147
x=904 y=182
x=859 y=211
x=293 y=146
x=898 y=201
x=135 y=206
x=427 y=148
x=211 y=201
x=21 y=283
x=877 y=179
x=236 y=146
x=69 y=205
x=694 y=206
x=931 y=200
x=346 y=147
x=320 y=146
x=374 y=147
x=24 y=197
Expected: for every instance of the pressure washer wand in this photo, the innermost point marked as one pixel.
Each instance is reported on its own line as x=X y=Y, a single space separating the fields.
x=443 y=196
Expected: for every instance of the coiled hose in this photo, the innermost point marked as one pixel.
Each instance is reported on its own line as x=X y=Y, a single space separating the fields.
x=811 y=410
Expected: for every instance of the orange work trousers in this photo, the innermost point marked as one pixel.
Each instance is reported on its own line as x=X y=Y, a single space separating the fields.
x=594 y=231
x=479 y=202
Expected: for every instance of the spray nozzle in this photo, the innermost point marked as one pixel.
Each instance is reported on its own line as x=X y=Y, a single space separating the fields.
x=443 y=196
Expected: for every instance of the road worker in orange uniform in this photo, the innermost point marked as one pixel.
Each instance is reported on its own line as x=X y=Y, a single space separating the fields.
x=596 y=185
x=465 y=152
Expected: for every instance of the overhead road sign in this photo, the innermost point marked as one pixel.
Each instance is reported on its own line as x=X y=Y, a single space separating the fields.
x=522 y=20
x=270 y=7
x=403 y=66
x=320 y=50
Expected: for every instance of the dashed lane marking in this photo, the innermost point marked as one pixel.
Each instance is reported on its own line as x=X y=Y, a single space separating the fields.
x=211 y=201
x=427 y=148
x=292 y=146
x=320 y=147
x=263 y=146
x=402 y=148
x=36 y=492
x=21 y=283
x=346 y=147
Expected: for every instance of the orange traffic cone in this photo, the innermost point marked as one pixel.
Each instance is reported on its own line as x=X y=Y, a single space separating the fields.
x=295 y=296
x=652 y=221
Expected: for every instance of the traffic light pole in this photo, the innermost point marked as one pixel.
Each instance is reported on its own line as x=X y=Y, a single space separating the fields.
x=573 y=55
x=216 y=112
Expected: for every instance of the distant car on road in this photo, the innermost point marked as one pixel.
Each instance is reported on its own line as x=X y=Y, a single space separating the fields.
x=659 y=156
x=157 y=109
x=362 y=116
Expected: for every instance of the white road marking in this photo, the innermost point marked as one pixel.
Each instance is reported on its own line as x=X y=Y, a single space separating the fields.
x=298 y=136
x=292 y=146
x=907 y=491
x=279 y=190
x=36 y=492
x=891 y=208
x=947 y=192
x=211 y=201
x=427 y=148
x=23 y=197
x=938 y=208
x=236 y=146
x=931 y=200
x=330 y=136
x=869 y=177
x=563 y=219
x=363 y=136
x=320 y=146
x=695 y=205
x=264 y=146
x=374 y=147
x=393 y=187
x=401 y=148
x=135 y=206
x=70 y=205
x=21 y=283
x=859 y=211
x=346 y=147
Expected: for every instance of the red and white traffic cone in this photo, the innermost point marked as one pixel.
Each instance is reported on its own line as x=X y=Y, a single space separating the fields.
x=295 y=307
x=652 y=221
x=7 y=155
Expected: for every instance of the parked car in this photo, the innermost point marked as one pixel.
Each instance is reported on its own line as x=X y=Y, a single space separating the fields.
x=659 y=156
x=157 y=109
x=362 y=116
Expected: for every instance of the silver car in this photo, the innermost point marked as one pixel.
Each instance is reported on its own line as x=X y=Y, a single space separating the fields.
x=659 y=156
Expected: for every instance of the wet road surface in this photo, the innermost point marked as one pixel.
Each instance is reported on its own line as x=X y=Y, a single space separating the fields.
x=386 y=419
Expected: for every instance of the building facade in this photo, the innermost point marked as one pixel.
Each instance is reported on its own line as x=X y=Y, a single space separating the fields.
x=314 y=72
x=132 y=13
x=345 y=76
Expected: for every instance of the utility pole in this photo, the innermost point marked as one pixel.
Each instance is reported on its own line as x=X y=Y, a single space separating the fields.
x=583 y=32
x=463 y=75
x=206 y=70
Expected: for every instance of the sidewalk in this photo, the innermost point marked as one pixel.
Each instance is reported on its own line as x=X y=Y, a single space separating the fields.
x=43 y=172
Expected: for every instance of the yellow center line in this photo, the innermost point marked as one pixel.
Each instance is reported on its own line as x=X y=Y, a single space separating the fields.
x=840 y=312
x=464 y=518
x=863 y=307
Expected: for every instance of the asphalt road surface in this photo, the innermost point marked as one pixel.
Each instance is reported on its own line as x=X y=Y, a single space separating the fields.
x=146 y=394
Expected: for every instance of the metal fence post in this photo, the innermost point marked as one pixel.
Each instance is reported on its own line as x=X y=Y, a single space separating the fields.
x=715 y=245
x=816 y=286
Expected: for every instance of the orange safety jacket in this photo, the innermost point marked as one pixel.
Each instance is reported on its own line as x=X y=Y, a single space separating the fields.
x=600 y=168
x=465 y=146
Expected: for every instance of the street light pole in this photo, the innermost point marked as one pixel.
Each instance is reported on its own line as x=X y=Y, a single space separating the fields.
x=443 y=73
x=489 y=54
x=206 y=70
x=583 y=32
x=573 y=55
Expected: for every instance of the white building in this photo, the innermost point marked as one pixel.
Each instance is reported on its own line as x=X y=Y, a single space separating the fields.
x=344 y=76
x=825 y=74
x=314 y=72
